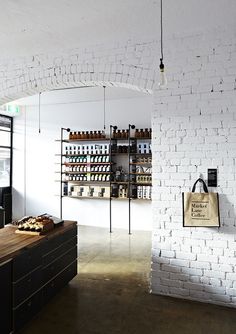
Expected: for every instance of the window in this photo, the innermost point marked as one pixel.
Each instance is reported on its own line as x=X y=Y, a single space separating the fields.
x=5 y=151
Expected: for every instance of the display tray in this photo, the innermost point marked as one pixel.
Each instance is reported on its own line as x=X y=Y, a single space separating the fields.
x=33 y=232
x=54 y=222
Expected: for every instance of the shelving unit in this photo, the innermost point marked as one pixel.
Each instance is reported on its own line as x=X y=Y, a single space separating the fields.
x=116 y=167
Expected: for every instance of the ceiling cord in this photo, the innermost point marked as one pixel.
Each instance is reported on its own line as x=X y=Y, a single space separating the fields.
x=161 y=33
x=104 y=107
x=40 y=112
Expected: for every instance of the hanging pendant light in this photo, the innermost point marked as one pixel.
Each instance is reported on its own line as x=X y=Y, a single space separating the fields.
x=163 y=79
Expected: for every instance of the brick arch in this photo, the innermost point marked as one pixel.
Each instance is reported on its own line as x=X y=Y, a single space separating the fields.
x=128 y=65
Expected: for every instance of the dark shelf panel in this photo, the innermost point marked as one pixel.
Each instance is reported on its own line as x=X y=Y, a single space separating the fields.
x=147 y=174
x=87 y=182
x=140 y=184
x=141 y=199
x=120 y=198
x=84 y=155
x=86 y=163
x=101 y=139
x=76 y=173
x=117 y=182
x=86 y=197
x=140 y=163
x=86 y=140
x=140 y=138
x=142 y=154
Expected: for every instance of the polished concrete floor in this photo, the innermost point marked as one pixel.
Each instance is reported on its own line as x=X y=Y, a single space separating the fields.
x=110 y=295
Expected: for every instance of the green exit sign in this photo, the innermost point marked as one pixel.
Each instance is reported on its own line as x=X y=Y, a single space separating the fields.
x=12 y=108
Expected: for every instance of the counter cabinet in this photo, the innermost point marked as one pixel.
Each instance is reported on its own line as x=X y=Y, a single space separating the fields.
x=33 y=271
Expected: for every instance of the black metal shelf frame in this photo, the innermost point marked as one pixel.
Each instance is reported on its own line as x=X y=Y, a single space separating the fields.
x=131 y=183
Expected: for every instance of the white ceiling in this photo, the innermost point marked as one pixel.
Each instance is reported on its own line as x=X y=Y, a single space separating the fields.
x=40 y=26
x=80 y=95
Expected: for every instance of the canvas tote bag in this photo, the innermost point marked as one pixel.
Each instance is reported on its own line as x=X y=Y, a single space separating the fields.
x=201 y=209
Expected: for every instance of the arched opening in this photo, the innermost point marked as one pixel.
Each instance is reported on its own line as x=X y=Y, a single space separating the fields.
x=118 y=259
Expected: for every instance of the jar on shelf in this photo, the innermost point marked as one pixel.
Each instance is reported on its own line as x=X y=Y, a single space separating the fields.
x=114 y=134
x=82 y=135
x=118 y=134
x=146 y=133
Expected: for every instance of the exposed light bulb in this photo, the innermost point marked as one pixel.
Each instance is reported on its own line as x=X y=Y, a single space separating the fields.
x=163 y=79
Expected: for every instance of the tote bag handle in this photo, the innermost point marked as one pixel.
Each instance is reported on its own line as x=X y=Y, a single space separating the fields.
x=204 y=185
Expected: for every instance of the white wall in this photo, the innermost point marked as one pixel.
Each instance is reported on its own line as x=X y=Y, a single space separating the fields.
x=35 y=189
x=194 y=126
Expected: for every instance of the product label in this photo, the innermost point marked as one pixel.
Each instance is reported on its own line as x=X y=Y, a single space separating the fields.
x=200 y=210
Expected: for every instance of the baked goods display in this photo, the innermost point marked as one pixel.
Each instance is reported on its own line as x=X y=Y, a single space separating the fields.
x=36 y=225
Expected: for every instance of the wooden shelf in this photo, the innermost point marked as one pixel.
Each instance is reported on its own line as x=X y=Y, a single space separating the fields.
x=140 y=163
x=87 y=172
x=142 y=154
x=120 y=198
x=85 y=140
x=86 y=163
x=117 y=182
x=87 y=182
x=132 y=138
x=141 y=184
x=140 y=199
x=85 y=155
x=86 y=197
x=147 y=174
x=140 y=138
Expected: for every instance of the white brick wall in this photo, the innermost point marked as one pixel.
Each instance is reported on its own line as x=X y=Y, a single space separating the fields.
x=128 y=64
x=194 y=126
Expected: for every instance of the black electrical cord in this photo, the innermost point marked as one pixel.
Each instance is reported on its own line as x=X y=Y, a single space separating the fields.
x=161 y=33
x=40 y=112
x=104 y=108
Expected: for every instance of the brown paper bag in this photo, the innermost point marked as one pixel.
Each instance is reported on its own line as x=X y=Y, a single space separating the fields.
x=201 y=209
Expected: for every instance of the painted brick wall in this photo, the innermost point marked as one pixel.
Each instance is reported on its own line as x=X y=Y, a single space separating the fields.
x=194 y=127
x=123 y=64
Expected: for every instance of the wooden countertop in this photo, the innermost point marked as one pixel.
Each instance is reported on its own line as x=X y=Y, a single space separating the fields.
x=12 y=243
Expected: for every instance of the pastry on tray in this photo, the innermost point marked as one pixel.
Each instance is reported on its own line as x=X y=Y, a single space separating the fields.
x=36 y=224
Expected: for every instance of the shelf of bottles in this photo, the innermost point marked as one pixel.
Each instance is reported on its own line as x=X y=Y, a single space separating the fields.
x=140 y=165
x=136 y=181
x=92 y=165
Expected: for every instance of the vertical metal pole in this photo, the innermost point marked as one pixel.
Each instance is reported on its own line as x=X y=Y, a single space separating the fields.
x=129 y=184
x=61 y=174
x=110 y=180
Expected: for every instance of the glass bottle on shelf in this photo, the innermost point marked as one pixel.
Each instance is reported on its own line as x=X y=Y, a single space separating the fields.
x=146 y=133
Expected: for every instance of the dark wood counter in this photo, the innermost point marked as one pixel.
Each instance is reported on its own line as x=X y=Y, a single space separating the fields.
x=32 y=270
x=12 y=243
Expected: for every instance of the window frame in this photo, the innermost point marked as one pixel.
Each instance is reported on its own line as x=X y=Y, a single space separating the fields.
x=9 y=147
